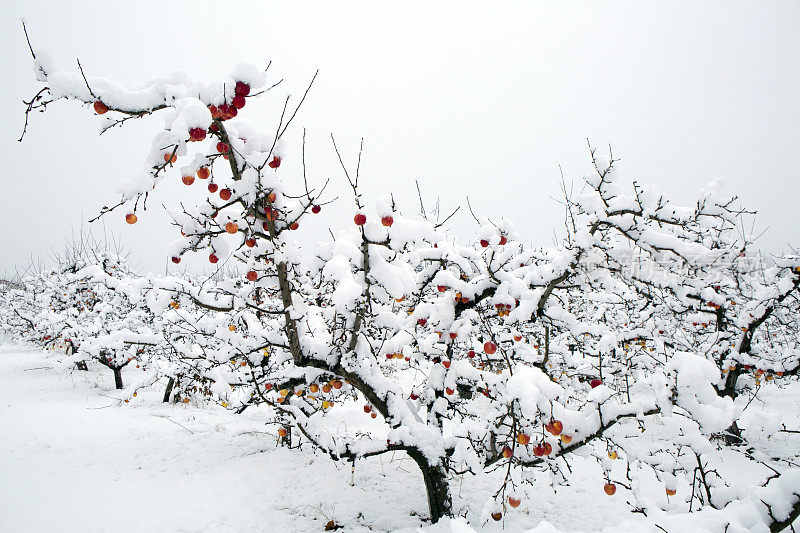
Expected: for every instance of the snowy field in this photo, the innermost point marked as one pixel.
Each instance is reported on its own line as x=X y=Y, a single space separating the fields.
x=75 y=458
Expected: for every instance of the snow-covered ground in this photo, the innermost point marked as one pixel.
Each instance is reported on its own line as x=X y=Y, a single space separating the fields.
x=75 y=458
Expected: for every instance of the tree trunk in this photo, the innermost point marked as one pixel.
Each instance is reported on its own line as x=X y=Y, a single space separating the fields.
x=168 y=392
x=80 y=365
x=118 y=377
x=440 y=504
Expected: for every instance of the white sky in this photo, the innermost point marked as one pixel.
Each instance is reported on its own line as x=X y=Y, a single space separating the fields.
x=467 y=99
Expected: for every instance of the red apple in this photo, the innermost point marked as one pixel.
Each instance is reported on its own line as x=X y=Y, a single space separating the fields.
x=484 y=243
x=471 y=354
x=203 y=173
x=231 y=227
x=514 y=502
x=275 y=163
x=387 y=221
x=222 y=147
x=212 y=187
x=197 y=134
x=213 y=258
x=449 y=391
x=252 y=276
x=170 y=157
x=489 y=347
x=523 y=439
x=441 y=288
x=453 y=335
x=214 y=110
x=610 y=488
x=507 y=452
x=422 y=321
x=503 y=240
x=250 y=242
x=446 y=363
x=225 y=194
x=554 y=427
x=294 y=225
x=187 y=180
x=100 y=108
x=176 y=260
x=497 y=516
x=239 y=101
x=316 y=209
x=360 y=219
x=242 y=88
x=367 y=408
x=130 y=218
x=596 y=382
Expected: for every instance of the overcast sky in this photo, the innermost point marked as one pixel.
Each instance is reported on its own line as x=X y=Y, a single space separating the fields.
x=481 y=99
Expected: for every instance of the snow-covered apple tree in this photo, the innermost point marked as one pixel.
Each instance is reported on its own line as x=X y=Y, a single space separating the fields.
x=471 y=356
